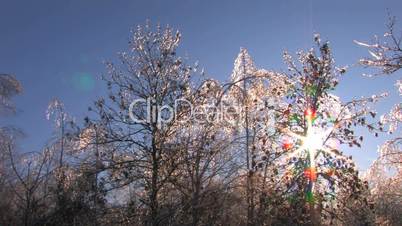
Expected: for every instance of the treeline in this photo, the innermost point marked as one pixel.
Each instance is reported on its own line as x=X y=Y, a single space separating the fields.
x=169 y=146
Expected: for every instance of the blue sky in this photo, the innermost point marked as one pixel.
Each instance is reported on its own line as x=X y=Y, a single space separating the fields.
x=56 y=48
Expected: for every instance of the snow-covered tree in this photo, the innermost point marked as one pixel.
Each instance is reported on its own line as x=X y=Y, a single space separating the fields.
x=29 y=180
x=254 y=93
x=315 y=125
x=144 y=155
x=386 y=56
x=9 y=87
x=385 y=174
x=208 y=168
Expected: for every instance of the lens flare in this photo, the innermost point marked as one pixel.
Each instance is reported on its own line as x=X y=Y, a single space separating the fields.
x=83 y=82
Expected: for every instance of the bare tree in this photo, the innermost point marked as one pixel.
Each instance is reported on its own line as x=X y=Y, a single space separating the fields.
x=145 y=156
x=9 y=87
x=386 y=56
x=209 y=165
x=31 y=173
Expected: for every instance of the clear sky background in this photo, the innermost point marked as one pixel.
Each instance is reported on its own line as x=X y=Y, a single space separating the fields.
x=56 y=47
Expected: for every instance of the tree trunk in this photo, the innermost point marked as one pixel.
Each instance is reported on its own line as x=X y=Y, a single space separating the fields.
x=195 y=206
x=249 y=193
x=154 y=193
x=153 y=197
